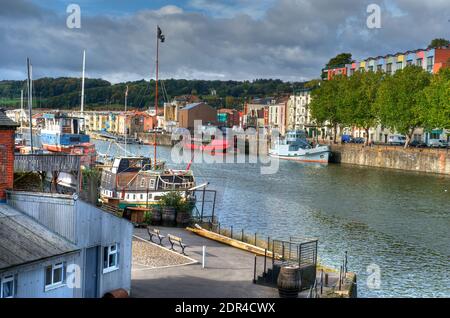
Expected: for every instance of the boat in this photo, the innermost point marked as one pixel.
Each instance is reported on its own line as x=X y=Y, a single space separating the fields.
x=19 y=142
x=138 y=182
x=296 y=147
x=62 y=134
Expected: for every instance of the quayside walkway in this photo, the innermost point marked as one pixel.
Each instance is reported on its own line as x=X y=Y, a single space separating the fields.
x=228 y=272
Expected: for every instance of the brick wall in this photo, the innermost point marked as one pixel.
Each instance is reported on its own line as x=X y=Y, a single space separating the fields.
x=6 y=162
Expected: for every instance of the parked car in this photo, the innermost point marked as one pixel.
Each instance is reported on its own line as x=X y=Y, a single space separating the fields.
x=418 y=144
x=396 y=140
x=358 y=140
x=346 y=139
x=437 y=143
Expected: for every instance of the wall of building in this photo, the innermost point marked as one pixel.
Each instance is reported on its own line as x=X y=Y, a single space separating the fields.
x=30 y=279
x=84 y=225
x=411 y=159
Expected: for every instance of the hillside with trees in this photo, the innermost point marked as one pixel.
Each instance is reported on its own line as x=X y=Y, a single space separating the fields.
x=64 y=93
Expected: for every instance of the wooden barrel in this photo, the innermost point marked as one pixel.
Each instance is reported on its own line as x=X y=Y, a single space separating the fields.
x=156 y=216
x=288 y=282
x=183 y=217
x=168 y=215
x=117 y=293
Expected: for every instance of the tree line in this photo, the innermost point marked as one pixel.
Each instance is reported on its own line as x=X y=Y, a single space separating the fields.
x=411 y=98
x=65 y=93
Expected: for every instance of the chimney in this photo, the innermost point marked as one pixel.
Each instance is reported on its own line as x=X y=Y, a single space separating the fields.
x=7 y=141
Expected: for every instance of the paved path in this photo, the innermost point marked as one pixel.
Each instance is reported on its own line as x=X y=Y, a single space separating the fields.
x=228 y=272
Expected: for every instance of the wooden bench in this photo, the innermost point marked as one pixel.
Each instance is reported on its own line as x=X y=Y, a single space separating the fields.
x=176 y=240
x=155 y=232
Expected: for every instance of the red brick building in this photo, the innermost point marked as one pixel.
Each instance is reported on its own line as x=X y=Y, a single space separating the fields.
x=7 y=131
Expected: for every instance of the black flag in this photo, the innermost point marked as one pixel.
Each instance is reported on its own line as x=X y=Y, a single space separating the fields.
x=161 y=36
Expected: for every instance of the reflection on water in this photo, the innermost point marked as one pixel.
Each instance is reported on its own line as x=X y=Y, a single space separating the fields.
x=397 y=220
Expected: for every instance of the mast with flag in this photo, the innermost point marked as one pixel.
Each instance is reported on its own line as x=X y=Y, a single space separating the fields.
x=162 y=38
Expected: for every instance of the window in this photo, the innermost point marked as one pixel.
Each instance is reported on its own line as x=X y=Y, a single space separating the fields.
x=419 y=62
x=399 y=65
x=379 y=67
x=54 y=276
x=142 y=197
x=389 y=68
x=143 y=183
x=110 y=258
x=371 y=68
x=430 y=62
x=8 y=287
x=409 y=62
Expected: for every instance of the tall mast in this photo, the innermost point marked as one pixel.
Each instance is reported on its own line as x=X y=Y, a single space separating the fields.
x=126 y=128
x=159 y=37
x=30 y=100
x=21 y=109
x=82 y=82
x=156 y=95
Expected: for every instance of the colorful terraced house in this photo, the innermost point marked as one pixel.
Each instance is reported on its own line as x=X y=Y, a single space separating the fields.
x=431 y=60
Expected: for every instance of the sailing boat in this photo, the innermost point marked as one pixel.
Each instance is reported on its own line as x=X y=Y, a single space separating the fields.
x=134 y=181
x=65 y=134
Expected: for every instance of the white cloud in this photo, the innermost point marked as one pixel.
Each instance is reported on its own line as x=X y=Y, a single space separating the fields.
x=292 y=41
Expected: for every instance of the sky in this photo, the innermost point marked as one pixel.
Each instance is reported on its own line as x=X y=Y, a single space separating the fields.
x=208 y=39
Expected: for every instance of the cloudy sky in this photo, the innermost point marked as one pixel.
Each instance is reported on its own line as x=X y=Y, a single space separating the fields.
x=208 y=39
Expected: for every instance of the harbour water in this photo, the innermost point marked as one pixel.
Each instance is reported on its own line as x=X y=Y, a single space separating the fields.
x=396 y=221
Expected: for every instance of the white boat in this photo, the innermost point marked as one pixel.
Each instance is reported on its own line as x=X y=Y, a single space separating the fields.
x=297 y=148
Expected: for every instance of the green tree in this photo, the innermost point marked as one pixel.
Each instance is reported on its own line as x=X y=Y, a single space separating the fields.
x=438 y=43
x=327 y=103
x=340 y=60
x=437 y=101
x=400 y=98
x=359 y=106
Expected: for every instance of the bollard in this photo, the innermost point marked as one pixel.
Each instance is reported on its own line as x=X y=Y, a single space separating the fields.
x=326 y=279
x=203 y=256
x=255 y=240
x=231 y=235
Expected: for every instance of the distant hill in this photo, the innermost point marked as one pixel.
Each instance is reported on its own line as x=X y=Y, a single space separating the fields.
x=64 y=92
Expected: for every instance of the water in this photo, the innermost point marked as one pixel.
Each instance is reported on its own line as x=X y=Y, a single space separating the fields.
x=399 y=221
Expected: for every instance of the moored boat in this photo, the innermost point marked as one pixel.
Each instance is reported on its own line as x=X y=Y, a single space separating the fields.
x=137 y=182
x=297 y=148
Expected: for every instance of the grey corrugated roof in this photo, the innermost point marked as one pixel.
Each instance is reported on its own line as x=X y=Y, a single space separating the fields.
x=23 y=240
x=5 y=121
x=191 y=106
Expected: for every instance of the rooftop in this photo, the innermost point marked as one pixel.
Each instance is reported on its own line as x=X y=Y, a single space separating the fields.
x=23 y=240
x=191 y=106
x=5 y=121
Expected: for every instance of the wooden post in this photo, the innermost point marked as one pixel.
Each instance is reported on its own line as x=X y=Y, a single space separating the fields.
x=255 y=239
x=254 y=272
x=265 y=261
x=231 y=235
x=242 y=236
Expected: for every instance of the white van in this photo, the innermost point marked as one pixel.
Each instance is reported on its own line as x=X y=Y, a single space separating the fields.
x=437 y=143
x=398 y=140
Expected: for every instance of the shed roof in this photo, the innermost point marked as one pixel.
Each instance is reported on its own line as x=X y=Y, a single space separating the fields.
x=191 y=106
x=5 y=121
x=23 y=240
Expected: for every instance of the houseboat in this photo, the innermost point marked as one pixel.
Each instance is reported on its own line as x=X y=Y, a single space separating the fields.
x=138 y=182
x=296 y=147
x=64 y=134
